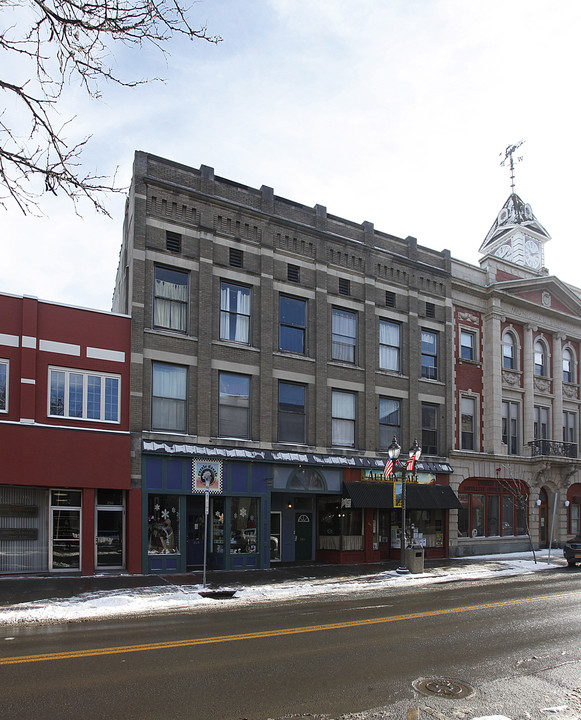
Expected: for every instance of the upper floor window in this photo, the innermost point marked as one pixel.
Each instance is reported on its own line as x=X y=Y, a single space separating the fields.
x=168 y=397
x=429 y=354
x=234 y=312
x=468 y=423
x=467 y=345
x=508 y=352
x=510 y=426
x=84 y=395
x=291 y=413
x=567 y=366
x=429 y=429
x=389 y=421
x=541 y=423
x=389 y=345
x=234 y=406
x=170 y=303
x=344 y=335
x=343 y=418
x=569 y=426
x=540 y=359
x=3 y=385
x=293 y=324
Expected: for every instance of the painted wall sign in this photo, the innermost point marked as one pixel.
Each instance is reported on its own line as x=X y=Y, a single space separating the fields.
x=207 y=474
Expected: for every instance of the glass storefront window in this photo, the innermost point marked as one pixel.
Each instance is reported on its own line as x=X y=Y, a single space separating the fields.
x=477 y=515
x=464 y=515
x=339 y=528
x=164 y=524
x=493 y=508
x=243 y=525
x=499 y=510
x=507 y=515
x=217 y=525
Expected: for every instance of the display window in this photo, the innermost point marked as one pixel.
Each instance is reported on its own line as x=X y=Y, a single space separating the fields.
x=340 y=528
x=492 y=509
x=163 y=524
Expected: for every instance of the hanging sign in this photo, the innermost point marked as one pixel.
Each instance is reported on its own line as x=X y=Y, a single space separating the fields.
x=207 y=476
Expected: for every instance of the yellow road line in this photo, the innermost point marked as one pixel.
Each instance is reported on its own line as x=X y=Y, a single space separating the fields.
x=95 y=652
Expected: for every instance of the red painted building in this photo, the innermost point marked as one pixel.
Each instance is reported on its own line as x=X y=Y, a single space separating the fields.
x=66 y=503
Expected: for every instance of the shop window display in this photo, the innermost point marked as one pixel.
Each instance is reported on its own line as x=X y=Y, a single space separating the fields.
x=243 y=529
x=164 y=525
x=339 y=528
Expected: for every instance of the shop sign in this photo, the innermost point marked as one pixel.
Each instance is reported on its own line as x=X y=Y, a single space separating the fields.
x=19 y=511
x=18 y=534
x=207 y=476
x=421 y=478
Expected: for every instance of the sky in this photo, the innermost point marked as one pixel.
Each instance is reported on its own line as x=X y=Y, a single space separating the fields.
x=396 y=112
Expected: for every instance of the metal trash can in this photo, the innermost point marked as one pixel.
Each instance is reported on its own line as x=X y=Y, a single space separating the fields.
x=414 y=559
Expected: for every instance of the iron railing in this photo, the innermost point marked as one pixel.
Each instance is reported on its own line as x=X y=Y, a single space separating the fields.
x=553 y=448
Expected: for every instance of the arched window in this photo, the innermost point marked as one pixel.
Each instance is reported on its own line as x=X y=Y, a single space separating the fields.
x=508 y=351
x=567 y=365
x=540 y=359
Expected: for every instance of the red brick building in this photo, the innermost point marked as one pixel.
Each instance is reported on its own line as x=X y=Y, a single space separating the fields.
x=66 y=503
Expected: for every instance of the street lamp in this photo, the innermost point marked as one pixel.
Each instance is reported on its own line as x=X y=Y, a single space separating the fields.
x=414 y=453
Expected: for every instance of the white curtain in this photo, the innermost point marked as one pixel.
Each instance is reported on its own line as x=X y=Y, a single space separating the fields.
x=170 y=305
x=169 y=397
x=388 y=346
x=343 y=419
x=344 y=334
x=235 y=315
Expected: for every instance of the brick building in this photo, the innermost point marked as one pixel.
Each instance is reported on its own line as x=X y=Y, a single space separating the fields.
x=276 y=351
x=517 y=345
x=65 y=498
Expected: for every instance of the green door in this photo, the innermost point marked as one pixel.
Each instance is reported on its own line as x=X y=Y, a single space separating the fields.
x=303 y=537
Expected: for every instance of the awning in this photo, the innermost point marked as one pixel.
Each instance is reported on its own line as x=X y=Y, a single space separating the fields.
x=418 y=496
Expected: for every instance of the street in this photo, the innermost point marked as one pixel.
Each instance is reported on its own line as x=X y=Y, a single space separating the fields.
x=516 y=642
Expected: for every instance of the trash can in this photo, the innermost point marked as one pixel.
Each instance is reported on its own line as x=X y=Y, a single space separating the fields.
x=414 y=559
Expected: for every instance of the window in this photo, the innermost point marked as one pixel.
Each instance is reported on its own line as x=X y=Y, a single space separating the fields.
x=496 y=510
x=569 y=426
x=243 y=525
x=236 y=257
x=389 y=421
x=389 y=345
x=3 y=386
x=344 y=335
x=343 y=419
x=468 y=423
x=429 y=429
x=170 y=305
x=234 y=408
x=173 y=241
x=344 y=286
x=291 y=413
x=508 y=352
x=567 y=366
x=293 y=273
x=234 y=313
x=429 y=355
x=168 y=397
x=541 y=423
x=510 y=426
x=540 y=359
x=83 y=395
x=293 y=324
x=163 y=524
x=575 y=517
x=467 y=345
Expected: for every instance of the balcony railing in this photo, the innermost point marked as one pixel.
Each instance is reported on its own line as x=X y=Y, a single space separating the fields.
x=553 y=448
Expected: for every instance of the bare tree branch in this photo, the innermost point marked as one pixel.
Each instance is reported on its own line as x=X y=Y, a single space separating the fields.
x=65 y=42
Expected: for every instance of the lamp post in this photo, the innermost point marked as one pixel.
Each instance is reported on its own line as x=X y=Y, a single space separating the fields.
x=414 y=453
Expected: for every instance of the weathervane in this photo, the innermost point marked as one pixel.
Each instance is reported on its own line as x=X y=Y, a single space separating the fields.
x=508 y=158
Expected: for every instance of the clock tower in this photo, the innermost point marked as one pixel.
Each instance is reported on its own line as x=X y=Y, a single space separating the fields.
x=517 y=237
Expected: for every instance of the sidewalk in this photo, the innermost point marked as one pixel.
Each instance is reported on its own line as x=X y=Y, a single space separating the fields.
x=104 y=594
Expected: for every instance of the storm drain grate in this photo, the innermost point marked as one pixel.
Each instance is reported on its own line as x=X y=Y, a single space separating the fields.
x=443 y=687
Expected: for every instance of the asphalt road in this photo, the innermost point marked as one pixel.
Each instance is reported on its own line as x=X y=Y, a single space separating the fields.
x=516 y=642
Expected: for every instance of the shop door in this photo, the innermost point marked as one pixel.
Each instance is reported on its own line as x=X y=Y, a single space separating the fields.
x=110 y=534
x=303 y=537
x=195 y=531
x=65 y=546
x=275 y=535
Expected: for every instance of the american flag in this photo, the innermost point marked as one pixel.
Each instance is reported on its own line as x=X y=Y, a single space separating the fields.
x=388 y=469
x=411 y=464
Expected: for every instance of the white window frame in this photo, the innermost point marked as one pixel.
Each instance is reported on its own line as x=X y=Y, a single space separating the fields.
x=386 y=347
x=473 y=399
x=474 y=346
x=343 y=424
x=85 y=374
x=6 y=364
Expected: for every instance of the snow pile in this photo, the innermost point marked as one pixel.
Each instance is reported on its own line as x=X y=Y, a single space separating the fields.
x=174 y=598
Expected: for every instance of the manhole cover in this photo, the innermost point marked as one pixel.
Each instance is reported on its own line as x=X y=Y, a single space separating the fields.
x=443 y=687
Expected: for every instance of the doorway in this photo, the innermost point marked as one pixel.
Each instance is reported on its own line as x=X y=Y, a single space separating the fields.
x=303 y=536
x=65 y=530
x=543 y=527
x=195 y=530
x=275 y=535
x=110 y=529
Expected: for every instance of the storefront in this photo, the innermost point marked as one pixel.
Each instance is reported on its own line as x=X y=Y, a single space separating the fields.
x=495 y=515
x=363 y=524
